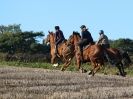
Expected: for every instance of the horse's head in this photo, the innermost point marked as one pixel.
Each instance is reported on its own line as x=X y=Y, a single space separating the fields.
x=74 y=38
x=50 y=38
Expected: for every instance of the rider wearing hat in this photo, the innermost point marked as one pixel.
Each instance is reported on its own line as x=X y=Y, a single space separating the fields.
x=104 y=42
x=59 y=37
x=86 y=38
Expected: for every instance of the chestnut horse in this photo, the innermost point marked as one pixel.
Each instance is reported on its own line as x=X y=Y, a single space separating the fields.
x=65 y=52
x=95 y=55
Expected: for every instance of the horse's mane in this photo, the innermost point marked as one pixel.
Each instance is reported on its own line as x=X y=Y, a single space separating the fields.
x=70 y=36
x=52 y=33
x=76 y=33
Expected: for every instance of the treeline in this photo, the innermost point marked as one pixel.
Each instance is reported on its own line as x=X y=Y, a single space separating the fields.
x=14 y=40
x=125 y=44
x=20 y=45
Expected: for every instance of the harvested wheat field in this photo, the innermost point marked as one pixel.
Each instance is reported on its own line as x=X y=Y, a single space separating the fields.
x=32 y=83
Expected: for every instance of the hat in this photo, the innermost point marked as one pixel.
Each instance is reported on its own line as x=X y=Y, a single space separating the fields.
x=57 y=27
x=83 y=26
x=101 y=32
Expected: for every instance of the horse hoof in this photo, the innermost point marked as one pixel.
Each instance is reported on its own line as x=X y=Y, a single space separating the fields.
x=117 y=73
x=124 y=76
x=85 y=71
x=105 y=74
x=80 y=70
x=125 y=73
x=55 y=65
x=89 y=75
x=89 y=72
x=62 y=70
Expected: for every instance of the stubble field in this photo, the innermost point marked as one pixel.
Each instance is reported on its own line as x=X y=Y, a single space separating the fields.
x=33 y=83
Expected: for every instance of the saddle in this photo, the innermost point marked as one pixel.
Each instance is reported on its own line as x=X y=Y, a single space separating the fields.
x=85 y=47
x=88 y=45
x=60 y=44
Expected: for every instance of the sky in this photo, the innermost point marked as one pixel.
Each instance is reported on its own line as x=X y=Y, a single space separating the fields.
x=115 y=17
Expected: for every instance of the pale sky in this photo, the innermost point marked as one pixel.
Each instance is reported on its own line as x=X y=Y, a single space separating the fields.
x=115 y=17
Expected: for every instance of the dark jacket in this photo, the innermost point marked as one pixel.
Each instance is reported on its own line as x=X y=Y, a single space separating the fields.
x=59 y=35
x=86 y=35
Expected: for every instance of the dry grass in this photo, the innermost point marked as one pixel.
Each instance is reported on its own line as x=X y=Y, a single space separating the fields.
x=29 y=83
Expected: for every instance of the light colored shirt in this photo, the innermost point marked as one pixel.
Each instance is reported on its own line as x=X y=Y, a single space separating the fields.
x=103 y=39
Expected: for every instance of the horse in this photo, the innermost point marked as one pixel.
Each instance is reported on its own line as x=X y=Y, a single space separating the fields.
x=65 y=52
x=95 y=54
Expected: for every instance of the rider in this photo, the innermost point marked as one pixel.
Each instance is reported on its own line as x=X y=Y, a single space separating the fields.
x=86 y=38
x=59 y=37
x=103 y=40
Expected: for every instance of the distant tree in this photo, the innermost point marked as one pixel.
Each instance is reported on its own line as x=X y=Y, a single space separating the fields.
x=126 y=44
x=10 y=28
x=13 y=40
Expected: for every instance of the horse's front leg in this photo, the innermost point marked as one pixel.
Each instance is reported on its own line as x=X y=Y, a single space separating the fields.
x=94 y=64
x=78 y=60
x=66 y=64
x=97 y=68
x=53 y=60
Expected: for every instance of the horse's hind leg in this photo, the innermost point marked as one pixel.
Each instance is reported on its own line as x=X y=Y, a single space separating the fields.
x=66 y=64
x=121 y=69
x=96 y=63
x=97 y=68
x=94 y=66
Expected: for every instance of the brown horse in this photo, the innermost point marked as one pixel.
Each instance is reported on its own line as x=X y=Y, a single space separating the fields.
x=65 y=52
x=95 y=55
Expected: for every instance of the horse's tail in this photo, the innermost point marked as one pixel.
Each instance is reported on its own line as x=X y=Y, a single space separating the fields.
x=126 y=58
